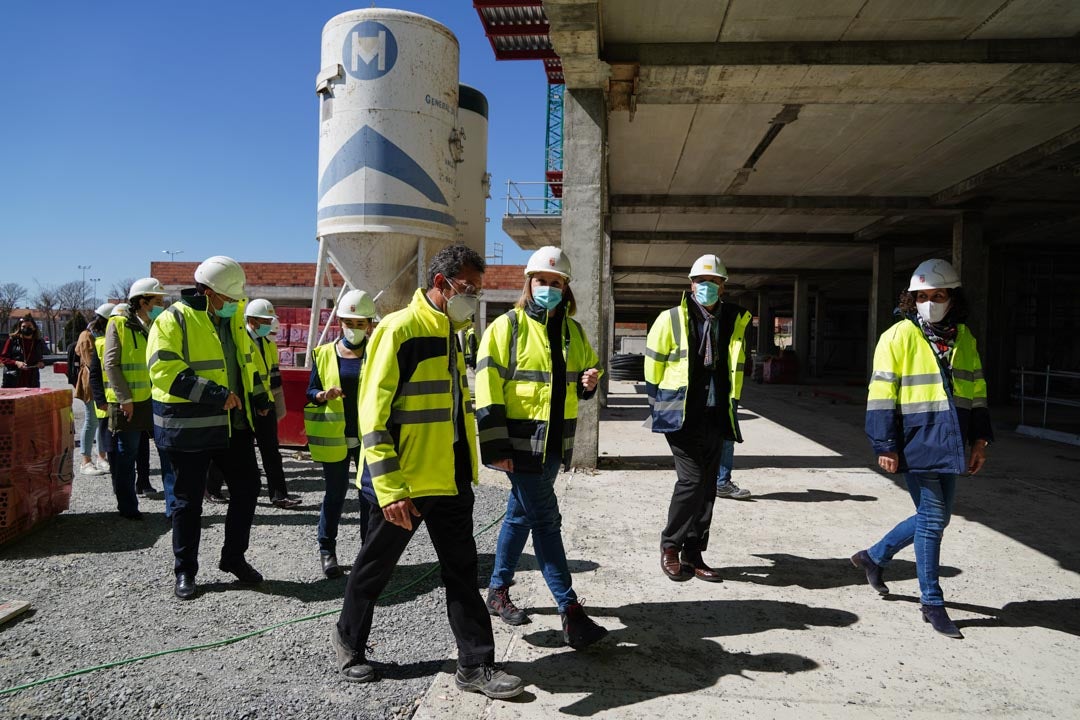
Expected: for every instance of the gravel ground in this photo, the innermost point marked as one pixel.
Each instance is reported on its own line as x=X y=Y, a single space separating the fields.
x=101 y=592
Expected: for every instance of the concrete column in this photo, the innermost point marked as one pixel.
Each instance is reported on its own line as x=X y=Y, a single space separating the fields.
x=584 y=238
x=481 y=324
x=970 y=258
x=819 y=334
x=765 y=325
x=800 y=325
x=883 y=299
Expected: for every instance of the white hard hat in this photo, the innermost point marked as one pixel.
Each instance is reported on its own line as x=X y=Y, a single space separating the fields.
x=223 y=275
x=261 y=309
x=708 y=265
x=549 y=259
x=933 y=274
x=356 y=304
x=146 y=286
x=104 y=310
x=119 y=309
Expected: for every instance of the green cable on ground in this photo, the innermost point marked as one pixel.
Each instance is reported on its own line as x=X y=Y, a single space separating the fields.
x=229 y=641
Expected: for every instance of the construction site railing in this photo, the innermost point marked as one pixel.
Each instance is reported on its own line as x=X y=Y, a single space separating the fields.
x=533 y=199
x=1068 y=396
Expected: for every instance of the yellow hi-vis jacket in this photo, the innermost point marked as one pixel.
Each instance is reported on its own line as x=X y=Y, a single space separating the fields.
x=514 y=388
x=406 y=412
x=914 y=409
x=99 y=348
x=264 y=353
x=190 y=379
x=132 y=339
x=667 y=365
x=325 y=424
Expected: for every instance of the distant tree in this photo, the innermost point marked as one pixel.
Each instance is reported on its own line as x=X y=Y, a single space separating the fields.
x=72 y=328
x=119 y=289
x=47 y=303
x=11 y=295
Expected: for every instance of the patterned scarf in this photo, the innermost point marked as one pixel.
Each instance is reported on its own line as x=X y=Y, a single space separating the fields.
x=942 y=337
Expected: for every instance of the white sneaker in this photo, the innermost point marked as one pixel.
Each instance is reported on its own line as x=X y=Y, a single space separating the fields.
x=90 y=468
x=103 y=466
x=732 y=491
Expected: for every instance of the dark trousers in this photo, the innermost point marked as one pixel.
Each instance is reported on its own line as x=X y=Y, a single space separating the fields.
x=142 y=463
x=122 y=469
x=697 y=447
x=450 y=525
x=266 y=437
x=241 y=472
x=337 y=478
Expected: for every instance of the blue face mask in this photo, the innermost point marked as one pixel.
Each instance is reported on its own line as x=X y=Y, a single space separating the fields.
x=154 y=312
x=547 y=297
x=707 y=293
x=262 y=330
x=228 y=309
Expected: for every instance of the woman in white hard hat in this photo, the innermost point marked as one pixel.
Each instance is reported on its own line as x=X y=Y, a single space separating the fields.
x=926 y=416
x=533 y=365
x=330 y=418
x=91 y=427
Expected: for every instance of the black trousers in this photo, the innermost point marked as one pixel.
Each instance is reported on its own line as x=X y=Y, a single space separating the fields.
x=449 y=523
x=142 y=463
x=241 y=471
x=266 y=437
x=696 y=448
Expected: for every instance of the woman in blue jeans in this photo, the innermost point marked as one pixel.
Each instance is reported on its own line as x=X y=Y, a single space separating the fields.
x=926 y=416
x=331 y=418
x=533 y=365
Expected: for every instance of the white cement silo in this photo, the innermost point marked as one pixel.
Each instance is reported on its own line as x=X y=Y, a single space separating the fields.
x=388 y=147
x=473 y=181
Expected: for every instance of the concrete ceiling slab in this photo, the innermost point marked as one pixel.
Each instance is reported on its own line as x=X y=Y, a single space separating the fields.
x=766 y=20
x=641 y=21
x=1032 y=19
x=646 y=151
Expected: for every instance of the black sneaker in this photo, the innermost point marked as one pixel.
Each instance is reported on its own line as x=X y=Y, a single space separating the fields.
x=351 y=665
x=242 y=570
x=489 y=680
x=578 y=629
x=500 y=605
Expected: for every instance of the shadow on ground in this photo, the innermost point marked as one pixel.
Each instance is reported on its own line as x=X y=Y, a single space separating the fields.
x=818 y=573
x=1059 y=615
x=668 y=649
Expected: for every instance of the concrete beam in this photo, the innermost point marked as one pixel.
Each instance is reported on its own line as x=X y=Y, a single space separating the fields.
x=1023 y=51
x=575 y=35
x=776 y=204
x=734 y=238
x=735 y=270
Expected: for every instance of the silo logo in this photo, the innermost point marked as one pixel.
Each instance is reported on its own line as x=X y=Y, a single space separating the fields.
x=370 y=50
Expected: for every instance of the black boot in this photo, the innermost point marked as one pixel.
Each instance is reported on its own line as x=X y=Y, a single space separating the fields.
x=500 y=605
x=351 y=665
x=578 y=629
x=875 y=574
x=940 y=620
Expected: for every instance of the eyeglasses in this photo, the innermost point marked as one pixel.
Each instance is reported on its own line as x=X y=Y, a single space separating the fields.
x=465 y=288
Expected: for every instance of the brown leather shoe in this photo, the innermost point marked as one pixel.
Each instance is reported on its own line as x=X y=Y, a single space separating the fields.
x=701 y=570
x=673 y=567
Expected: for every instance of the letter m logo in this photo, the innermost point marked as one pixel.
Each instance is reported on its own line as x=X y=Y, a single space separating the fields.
x=367 y=49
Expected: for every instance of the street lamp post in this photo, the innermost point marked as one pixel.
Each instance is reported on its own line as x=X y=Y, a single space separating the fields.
x=172 y=254
x=84 y=268
x=95 y=281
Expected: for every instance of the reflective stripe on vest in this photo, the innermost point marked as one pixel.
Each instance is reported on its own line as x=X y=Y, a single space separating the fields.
x=325 y=424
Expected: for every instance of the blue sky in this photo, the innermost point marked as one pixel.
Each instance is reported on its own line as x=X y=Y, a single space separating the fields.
x=130 y=128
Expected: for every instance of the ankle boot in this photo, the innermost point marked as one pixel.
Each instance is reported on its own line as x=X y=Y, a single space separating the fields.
x=940 y=621
x=579 y=630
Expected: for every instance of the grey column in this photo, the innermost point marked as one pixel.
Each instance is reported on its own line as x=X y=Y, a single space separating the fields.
x=583 y=238
x=765 y=341
x=800 y=326
x=883 y=297
x=969 y=257
x=819 y=334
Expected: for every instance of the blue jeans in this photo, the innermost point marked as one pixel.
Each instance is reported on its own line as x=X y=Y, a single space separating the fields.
x=933 y=494
x=336 y=475
x=727 y=461
x=88 y=432
x=532 y=506
x=122 y=469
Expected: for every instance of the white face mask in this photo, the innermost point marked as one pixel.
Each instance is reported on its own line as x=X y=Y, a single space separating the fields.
x=461 y=308
x=933 y=312
x=355 y=336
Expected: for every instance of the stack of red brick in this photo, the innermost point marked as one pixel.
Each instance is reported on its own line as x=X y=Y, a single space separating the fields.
x=293 y=333
x=36 y=447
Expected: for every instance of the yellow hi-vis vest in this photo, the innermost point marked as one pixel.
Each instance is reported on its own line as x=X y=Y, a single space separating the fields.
x=190 y=380
x=514 y=388
x=99 y=348
x=132 y=361
x=325 y=424
x=406 y=413
x=667 y=367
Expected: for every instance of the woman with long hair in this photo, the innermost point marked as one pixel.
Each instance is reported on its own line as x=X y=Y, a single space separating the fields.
x=23 y=355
